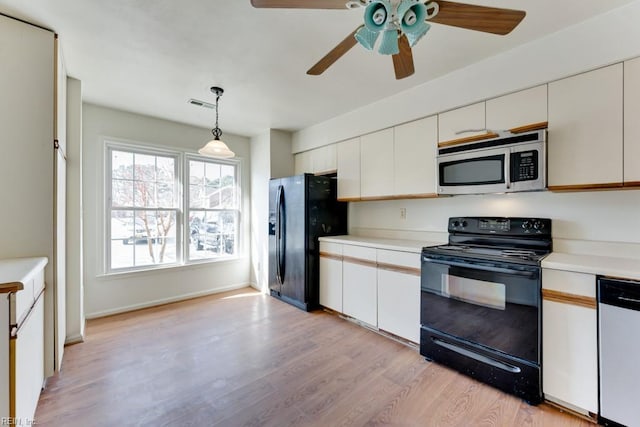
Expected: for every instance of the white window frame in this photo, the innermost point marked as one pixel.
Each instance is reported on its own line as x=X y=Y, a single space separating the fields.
x=111 y=146
x=187 y=209
x=181 y=158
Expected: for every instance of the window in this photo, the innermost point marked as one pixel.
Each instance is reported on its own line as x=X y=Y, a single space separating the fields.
x=145 y=215
x=212 y=209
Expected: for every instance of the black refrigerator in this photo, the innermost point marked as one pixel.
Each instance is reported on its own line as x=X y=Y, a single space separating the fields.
x=301 y=209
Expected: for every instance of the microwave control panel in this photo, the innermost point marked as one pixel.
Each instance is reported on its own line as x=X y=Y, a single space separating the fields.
x=524 y=166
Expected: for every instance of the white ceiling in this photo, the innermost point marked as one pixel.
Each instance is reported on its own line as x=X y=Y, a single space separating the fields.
x=151 y=56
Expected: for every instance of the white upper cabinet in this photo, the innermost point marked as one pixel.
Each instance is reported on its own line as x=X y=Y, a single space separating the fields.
x=348 y=162
x=376 y=163
x=585 y=130
x=414 y=157
x=318 y=161
x=451 y=123
x=303 y=163
x=517 y=109
x=324 y=159
x=632 y=122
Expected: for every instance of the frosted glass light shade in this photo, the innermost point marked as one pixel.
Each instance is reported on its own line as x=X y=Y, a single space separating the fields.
x=216 y=148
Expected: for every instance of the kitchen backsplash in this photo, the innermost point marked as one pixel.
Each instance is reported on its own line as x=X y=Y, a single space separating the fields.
x=581 y=221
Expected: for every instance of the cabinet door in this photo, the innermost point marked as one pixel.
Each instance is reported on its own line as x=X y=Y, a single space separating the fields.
x=376 y=163
x=359 y=288
x=303 y=163
x=399 y=294
x=331 y=276
x=324 y=159
x=517 y=109
x=29 y=362
x=414 y=157
x=585 y=130
x=461 y=119
x=348 y=162
x=569 y=344
x=631 y=122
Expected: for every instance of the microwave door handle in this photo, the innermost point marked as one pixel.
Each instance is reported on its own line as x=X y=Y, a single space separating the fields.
x=482 y=267
x=507 y=168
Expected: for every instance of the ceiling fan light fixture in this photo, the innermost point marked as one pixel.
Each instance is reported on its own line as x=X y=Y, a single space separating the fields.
x=216 y=148
x=366 y=37
x=412 y=20
x=389 y=43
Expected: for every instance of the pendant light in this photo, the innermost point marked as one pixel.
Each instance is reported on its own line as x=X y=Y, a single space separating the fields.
x=215 y=147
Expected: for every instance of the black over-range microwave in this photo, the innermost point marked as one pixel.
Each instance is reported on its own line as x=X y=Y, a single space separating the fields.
x=508 y=163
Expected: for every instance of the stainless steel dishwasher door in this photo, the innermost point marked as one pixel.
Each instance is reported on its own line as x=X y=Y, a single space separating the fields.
x=619 y=332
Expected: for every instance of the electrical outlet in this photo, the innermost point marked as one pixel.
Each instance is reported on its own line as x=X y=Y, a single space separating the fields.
x=403 y=213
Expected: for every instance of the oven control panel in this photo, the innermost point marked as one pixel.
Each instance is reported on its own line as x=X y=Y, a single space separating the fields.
x=501 y=225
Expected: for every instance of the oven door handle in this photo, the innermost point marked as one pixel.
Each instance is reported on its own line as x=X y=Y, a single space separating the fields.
x=481 y=267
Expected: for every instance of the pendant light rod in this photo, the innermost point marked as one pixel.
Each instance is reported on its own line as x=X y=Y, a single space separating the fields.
x=216 y=131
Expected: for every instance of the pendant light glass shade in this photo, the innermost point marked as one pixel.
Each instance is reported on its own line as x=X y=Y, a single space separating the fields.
x=215 y=147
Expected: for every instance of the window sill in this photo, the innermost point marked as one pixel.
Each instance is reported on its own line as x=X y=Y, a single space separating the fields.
x=144 y=271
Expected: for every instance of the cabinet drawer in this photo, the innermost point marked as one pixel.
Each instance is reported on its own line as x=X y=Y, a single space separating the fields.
x=405 y=260
x=331 y=248
x=359 y=252
x=569 y=282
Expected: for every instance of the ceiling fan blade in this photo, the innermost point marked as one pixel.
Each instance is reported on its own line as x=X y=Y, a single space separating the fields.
x=479 y=18
x=335 y=54
x=403 y=61
x=300 y=4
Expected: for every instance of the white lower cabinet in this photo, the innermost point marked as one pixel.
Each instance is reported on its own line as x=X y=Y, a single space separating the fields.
x=359 y=284
x=399 y=293
x=569 y=345
x=331 y=276
x=29 y=363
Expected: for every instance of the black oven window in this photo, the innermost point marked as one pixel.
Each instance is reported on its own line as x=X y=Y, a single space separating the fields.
x=477 y=171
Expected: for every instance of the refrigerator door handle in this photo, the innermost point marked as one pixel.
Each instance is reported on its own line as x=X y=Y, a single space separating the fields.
x=282 y=235
x=278 y=232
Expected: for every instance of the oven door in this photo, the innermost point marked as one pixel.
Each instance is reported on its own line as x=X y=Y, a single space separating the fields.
x=474 y=172
x=495 y=305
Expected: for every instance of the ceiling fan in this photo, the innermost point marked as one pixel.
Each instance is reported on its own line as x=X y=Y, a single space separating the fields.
x=395 y=26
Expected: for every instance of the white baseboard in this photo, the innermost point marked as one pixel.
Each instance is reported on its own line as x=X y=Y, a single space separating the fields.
x=162 y=301
x=74 y=339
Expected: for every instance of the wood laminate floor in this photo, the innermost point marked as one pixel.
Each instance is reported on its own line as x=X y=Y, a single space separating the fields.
x=245 y=359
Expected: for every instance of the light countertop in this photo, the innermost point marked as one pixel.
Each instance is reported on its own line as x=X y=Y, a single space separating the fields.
x=15 y=272
x=414 y=246
x=591 y=264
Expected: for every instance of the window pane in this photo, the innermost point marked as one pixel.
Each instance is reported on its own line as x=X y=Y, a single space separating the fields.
x=213 y=234
x=145 y=167
x=166 y=169
x=212 y=175
x=121 y=230
x=165 y=193
x=196 y=172
x=145 y=194
x=121 y=165
x=121 y=193
x=212 y=197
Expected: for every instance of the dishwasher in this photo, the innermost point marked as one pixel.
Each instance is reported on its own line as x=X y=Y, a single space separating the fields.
x=619 y=350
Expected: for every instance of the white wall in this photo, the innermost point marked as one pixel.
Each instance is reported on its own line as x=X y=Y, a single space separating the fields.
x=272 y=158
x=105 y=294
x=260 y=174
x=603 y=40
x=75 y=289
